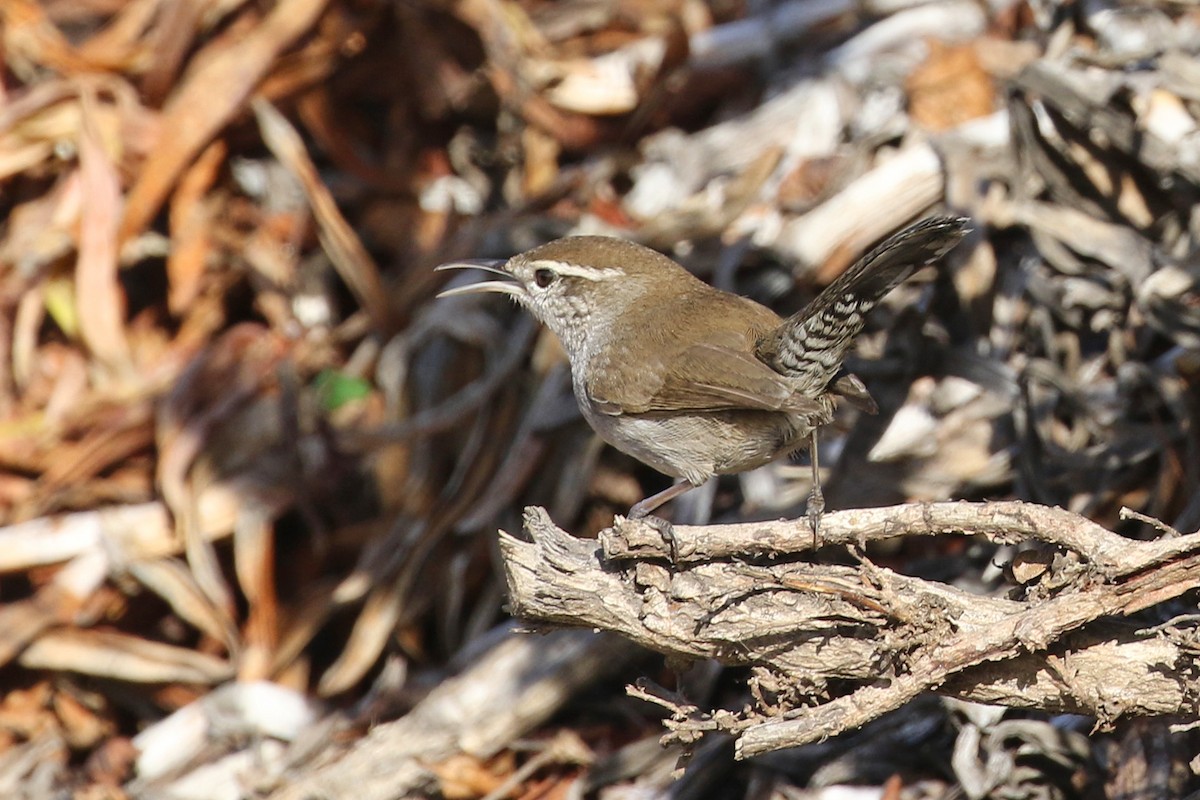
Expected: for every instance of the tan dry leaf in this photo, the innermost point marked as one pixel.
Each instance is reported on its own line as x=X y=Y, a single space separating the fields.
x=304 y=621
x=171 y=580
x=48 y=104
x=17 y=156
x=25 y=711
x=951 y=87
x=121 y=42
x=40 y=231
x=466 y=777
x=82 y=727
x=150 y=38
x=371 y=632
x=174 y=32
x=108 y=766
x=541 y=154
x=27 y=322
x=606 y=84
x=190 y=221
x=30 y=39
x=138 y=531
x=57 y=603
x=118 y=435
x=122 y=657
x=208 y=98
x=20 y=623
x=254 y=561
x=134 y=531
x=100 y=301
x=350 y=258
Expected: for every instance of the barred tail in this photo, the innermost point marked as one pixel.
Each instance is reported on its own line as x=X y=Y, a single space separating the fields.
x=811 y=344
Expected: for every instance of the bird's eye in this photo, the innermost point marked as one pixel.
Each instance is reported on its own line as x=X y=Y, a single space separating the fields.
x=543 y=277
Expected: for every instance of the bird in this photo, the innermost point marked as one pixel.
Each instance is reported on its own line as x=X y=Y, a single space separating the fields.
x=692 y=380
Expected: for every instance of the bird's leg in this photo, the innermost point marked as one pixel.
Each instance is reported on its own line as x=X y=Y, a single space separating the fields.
x=816 y=498
x=641 y=510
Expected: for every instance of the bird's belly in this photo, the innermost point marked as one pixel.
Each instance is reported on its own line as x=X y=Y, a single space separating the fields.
x=697 y=446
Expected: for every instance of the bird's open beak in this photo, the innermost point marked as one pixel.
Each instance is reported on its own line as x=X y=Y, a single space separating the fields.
x=507 y=286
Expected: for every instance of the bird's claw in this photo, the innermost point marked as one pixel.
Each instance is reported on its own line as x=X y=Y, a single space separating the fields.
x=667 y=531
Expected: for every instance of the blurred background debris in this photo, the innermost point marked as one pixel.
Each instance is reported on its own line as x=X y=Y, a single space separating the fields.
x=251 y=472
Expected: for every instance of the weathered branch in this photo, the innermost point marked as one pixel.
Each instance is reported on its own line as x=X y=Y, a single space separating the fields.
x=514 y=685
x=1007 y=522
x=1061 y=648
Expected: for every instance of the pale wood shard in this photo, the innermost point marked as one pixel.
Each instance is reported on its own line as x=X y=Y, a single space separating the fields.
x=516 y=684
x=898 y=190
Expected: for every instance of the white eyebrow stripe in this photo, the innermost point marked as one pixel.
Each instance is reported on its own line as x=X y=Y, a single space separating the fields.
x=579 y=271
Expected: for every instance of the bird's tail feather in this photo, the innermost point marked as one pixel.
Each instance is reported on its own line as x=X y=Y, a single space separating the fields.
x=811 y=344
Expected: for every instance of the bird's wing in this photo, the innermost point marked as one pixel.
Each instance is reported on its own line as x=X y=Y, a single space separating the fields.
x=702 y=377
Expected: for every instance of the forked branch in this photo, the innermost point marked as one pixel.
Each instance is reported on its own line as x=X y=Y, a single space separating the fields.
x=752 y=594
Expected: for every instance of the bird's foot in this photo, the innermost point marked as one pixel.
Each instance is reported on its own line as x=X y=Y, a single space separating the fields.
x=665 y=529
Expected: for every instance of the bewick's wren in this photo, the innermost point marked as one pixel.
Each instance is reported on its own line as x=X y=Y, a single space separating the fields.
x=691 y=380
